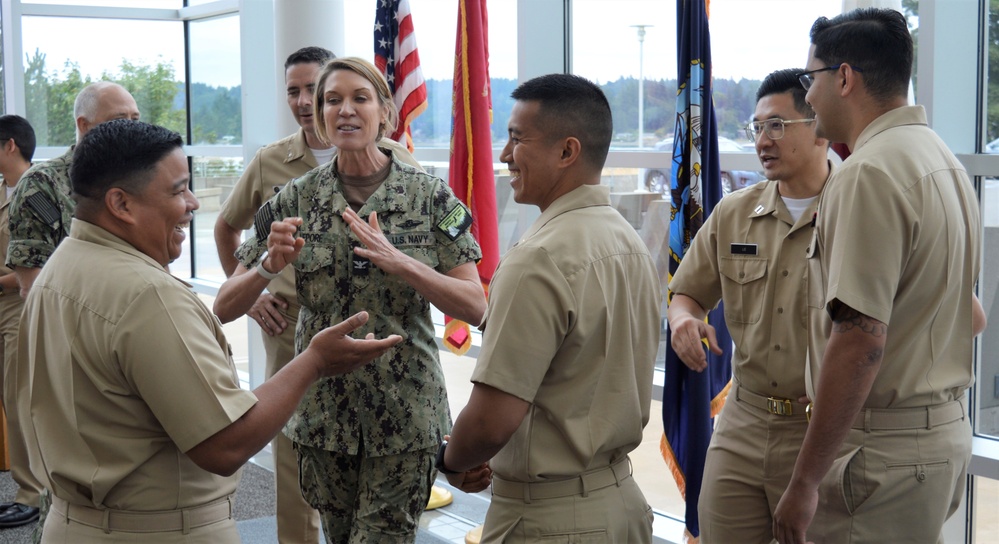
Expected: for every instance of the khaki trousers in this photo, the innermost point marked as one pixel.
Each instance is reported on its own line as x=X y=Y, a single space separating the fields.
x=617 y=513
x=29 y=489
x=748 y=466
x=297 y=522
x=894 y=486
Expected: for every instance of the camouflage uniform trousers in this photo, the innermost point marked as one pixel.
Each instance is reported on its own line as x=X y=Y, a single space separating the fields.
x=367 y=500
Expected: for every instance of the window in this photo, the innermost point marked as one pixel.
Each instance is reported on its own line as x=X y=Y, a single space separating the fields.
x=55 y=70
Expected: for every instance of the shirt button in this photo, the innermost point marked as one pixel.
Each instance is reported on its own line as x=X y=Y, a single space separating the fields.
x=742 y=274
x=773 y=384
x=777 y=347
x=784 y=273
x=780 y=310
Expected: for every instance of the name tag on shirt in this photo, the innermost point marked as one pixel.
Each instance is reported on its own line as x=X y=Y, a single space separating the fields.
x=744 y=249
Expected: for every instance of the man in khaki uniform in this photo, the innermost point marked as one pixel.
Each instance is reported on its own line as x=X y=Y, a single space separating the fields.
x=18 y=147
x=39 y=216
x=750 y=253
x=138 y=424
x=896 y=251
x=563 y=382
x=276 y=310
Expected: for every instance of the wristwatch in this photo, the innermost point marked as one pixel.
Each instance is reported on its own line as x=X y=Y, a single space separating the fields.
x=439 y=462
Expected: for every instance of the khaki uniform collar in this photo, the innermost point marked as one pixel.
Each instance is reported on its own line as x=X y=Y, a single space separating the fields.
x=298 y=149
x=89 y=232
x=584 y=196
x=905 y=115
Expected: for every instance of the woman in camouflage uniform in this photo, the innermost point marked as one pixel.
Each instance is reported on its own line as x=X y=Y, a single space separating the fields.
x=367 y=232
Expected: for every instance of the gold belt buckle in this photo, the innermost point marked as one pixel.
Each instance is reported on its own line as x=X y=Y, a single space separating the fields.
x=780 y=407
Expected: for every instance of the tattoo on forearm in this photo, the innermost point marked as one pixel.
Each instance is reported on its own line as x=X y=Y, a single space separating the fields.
x=846 y=319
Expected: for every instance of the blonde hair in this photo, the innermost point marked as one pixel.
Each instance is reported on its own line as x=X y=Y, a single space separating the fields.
x=369 y=72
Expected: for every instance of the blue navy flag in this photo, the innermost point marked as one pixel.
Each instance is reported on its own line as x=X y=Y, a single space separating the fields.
x=691 y=399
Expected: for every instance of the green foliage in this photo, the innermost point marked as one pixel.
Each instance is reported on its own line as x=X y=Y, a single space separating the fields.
x=992 y=100
x=49 y=99
x=735 y=102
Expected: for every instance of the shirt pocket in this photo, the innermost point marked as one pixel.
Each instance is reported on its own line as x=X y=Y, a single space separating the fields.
x=814 y=279
x=314 y=273
x=743 y=288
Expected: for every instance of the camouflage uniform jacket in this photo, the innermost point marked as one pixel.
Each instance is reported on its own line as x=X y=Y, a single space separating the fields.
x=398 y=403
x=41 y=211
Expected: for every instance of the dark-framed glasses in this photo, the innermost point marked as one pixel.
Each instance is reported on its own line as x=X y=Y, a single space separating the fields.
x=774 y=128
x=807 y=78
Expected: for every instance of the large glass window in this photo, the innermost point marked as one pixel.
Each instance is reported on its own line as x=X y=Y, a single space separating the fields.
x=216 y=119
x=169 y=4
x=55 y=70
x=987 y=422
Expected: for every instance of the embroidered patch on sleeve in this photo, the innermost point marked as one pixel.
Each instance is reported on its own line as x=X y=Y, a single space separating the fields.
x=44 y=208
x=456 y=222
x=262 y=221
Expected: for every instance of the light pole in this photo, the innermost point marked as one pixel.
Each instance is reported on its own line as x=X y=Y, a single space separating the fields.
x=641 y=83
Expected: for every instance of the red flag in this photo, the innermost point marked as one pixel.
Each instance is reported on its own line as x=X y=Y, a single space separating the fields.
x=397 y=57
x=471 y=172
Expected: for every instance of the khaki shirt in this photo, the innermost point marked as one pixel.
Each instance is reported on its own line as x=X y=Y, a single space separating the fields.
x=573 y=327
x=272 y=167
x=398 y=403
x=898 y=238
x=751 y=255
x=41 y=209
x=128 y=370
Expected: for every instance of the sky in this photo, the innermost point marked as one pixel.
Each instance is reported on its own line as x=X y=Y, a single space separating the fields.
x=750 y=38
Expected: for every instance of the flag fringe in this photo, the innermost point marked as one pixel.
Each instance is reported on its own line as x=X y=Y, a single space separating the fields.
x=674 y=466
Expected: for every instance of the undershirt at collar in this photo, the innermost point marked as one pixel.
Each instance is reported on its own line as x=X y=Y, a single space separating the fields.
x=797 y=206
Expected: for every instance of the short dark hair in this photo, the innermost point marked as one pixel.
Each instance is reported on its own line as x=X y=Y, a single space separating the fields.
x=308 y=54
x=17 y=128
x=874 y=40
x=786 y=81
x=572 y=106
x=120 y=153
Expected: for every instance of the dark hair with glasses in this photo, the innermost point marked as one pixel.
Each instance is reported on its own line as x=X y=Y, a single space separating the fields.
x=780 y=82
x=873 y=38
x=17 y=128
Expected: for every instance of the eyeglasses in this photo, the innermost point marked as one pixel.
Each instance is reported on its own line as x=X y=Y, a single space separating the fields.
x=807 y=78
x=773 y=127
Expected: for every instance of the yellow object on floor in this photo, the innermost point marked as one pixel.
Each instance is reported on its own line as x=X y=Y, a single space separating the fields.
x=474 y=536
x=439 y=497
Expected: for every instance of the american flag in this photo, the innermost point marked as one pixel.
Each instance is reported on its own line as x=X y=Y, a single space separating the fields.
x=397 y=57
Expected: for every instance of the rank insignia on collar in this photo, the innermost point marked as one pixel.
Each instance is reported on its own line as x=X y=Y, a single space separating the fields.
x=456 y=222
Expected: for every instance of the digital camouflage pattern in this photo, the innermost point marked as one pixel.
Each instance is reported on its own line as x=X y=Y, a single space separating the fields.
x=398 y=403
x=41 y=211
x=352 y=493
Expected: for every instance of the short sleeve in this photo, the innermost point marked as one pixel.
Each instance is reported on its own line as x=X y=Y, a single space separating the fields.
x=172 y=354
x=529 y=299
x=283 y=204
x=462 y=248
x=246 y=196
x=33 y=238
x=864 y=224
x=698 y=276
